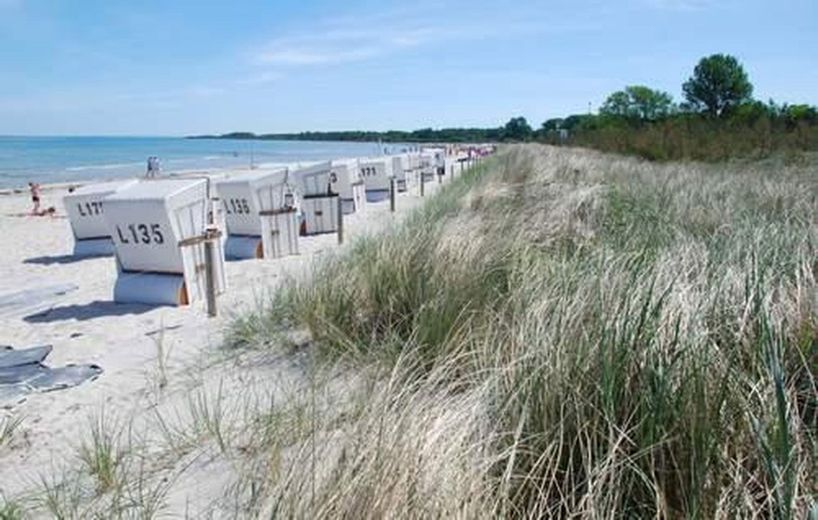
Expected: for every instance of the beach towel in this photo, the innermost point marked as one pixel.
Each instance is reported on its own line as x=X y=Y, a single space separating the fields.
x=63 y=377
x=22 y=372
x=12 y=358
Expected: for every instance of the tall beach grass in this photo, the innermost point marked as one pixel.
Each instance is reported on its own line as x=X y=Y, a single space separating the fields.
x=562 y=332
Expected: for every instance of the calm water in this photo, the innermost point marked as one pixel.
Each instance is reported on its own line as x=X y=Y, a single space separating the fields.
x=67 y=159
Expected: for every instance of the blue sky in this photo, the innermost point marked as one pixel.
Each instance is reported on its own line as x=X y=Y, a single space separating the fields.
x=162 y=67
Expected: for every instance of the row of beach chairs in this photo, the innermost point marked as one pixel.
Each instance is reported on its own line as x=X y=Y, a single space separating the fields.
x=171 y=236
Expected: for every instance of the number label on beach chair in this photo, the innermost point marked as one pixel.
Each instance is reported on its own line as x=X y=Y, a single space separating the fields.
x=140 y=234
x=90 y=208
x=237 y=206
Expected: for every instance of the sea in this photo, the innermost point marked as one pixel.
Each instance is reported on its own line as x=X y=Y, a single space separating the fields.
x=75 y=159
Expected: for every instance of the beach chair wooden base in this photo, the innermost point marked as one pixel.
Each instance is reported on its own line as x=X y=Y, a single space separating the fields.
x=151 y=289
x=377 y=195
x=243 y=247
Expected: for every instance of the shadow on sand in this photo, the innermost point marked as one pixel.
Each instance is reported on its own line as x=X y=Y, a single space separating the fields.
x=59 y=259
x=88 y=311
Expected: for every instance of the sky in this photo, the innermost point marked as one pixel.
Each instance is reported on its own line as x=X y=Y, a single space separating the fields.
x=180 y=67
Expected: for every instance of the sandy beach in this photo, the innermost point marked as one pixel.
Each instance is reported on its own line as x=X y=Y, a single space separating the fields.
x=85 y=326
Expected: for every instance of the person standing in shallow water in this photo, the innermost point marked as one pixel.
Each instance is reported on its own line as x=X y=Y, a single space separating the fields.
x=35 y=197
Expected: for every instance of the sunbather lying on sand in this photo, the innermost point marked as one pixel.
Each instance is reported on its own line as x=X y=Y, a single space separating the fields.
x=50 y=211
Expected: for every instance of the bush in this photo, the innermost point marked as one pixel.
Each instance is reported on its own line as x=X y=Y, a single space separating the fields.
x=749 y=133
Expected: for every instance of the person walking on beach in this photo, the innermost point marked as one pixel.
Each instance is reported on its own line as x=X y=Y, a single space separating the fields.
x=35 y=197
x=153 y=167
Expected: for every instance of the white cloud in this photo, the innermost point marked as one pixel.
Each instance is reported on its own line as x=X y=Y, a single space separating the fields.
x=315 y=56
x=341 y=45
x=681 y=5
x=349 y=39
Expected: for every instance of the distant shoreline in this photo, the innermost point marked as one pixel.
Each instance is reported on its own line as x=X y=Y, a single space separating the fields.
x=424 y=136
x=53 y=186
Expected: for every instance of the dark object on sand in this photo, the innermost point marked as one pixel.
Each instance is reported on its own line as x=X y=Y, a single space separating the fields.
x=63 y=377
x=12 y=358
x=22 y=372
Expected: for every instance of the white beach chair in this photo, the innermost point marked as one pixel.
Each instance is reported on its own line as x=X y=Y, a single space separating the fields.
x=85 y=210
x=260 y=213
x=349 y=184
x=377 y=175
x=319 y=201
x=402 y=171
x=159 y=230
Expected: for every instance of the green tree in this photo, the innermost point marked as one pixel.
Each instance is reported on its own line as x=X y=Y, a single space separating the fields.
x=552 y=124
x=518 y=129
x=638 y=102
x=718 y=84
x=617 y=104
x=802 y=113
x=577 y=122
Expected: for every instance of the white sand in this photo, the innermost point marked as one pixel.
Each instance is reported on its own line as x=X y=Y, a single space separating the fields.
x=86 y=327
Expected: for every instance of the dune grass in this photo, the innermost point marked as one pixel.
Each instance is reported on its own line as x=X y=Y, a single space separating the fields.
x=561 y=332
x=10 y=510
x=103 y=453
x=9 y=425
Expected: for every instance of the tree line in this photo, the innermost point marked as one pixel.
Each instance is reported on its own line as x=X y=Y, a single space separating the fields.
x=424 y=135
x=718 y=119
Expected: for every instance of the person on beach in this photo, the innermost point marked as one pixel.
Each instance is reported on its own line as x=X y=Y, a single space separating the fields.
x=51 y=211
x=153 y=167
x=35 y=197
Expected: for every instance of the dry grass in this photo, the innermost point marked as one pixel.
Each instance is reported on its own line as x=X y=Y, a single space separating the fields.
x=571 y=333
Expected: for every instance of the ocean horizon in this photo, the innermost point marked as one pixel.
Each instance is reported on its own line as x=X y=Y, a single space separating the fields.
x=59 y=159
